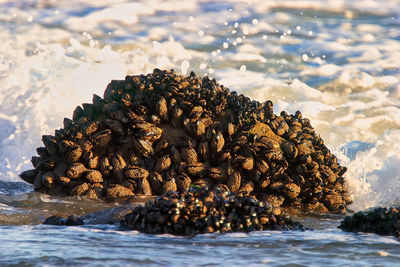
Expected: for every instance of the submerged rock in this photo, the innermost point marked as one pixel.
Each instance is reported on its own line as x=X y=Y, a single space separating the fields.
x=381 y=221
x=71 y=220
x=158 y=132
x=202 y=210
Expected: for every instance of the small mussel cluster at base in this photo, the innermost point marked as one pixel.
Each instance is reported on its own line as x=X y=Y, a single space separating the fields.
x=381 y=221
x=71 y=220
x=202 y=210
x=158 y=132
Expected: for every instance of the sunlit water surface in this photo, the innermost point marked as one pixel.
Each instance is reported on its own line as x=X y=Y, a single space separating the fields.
x=336 y=61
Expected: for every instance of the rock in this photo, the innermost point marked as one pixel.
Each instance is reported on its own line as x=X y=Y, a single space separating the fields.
x=55 y=220
x=188 y=130
x=381 y=221
x=205 y=211
x=72 y=220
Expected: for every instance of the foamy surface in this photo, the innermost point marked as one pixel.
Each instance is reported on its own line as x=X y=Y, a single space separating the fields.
x=336 y=61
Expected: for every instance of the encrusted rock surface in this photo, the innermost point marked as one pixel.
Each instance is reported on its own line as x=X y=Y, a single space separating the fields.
x=71 y=220
x=158 y=132
x=202 y=210
x=381 y=221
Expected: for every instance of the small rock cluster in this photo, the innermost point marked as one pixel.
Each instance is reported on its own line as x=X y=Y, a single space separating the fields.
x=381 y=221
x=154 y=133
x=201 y=210
x=71 y=220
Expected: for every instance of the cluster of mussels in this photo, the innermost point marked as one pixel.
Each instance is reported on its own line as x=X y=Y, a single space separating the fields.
x=381 y=221
x=71 y=220
x=201 y=210
x=154 y=133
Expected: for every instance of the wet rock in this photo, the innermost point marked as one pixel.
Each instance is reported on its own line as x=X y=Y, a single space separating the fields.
x=200 y=210
x=187 y=130
x=55 y=220
x=381 y=221
x=72 y=220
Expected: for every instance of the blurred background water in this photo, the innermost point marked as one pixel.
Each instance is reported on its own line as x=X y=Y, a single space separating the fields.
x=336 y=61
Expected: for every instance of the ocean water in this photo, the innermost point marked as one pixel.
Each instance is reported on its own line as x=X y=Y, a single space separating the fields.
x=336 y=61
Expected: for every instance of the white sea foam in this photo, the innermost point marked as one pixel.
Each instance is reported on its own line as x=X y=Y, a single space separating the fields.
x=55 y=55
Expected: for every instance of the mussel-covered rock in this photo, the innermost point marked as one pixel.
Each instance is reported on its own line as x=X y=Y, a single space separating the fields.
x=381 y=221
x=158 y=132
x=71 y=220
x=202 y=210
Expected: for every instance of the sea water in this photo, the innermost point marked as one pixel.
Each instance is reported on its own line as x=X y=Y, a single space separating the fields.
x=335 y=61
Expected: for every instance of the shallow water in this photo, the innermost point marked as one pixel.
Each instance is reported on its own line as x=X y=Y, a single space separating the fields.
x=336 y=61
x=105 y=246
